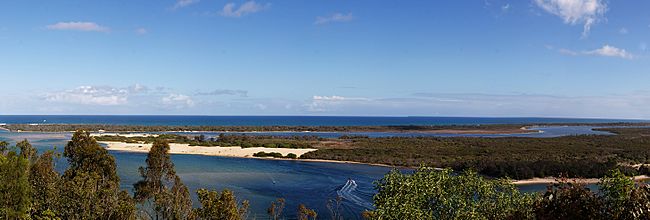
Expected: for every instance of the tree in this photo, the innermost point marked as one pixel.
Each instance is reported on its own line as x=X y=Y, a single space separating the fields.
x=623 y=198
x=568 y=200
x=90 y=185
x=44 y=180
x=27 y=150
x=276 y=208
x=441 y=194
x=3 y=147
x=160 y=189
x=15 y=198
x=305 y=213
x=220 y=206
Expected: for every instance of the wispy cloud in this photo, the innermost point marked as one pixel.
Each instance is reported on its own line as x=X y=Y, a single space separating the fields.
x=90 y=95
x=250 y=7
x=336 y=17
x=327 y=103
x=505 y=7
x=216 y=92
x=623 y=31
x=184 y=3
x=606 y=50
x=178 y=101
x=141 y=31
x=610 y=51
x=585 y=12
x=78 y=26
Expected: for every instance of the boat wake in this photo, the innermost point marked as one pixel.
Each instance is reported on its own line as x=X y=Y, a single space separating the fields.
x=349 y=193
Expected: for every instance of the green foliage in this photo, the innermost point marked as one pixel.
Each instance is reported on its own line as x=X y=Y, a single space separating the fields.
x=305 y=213
x=440 y=194
x=161 y=188
x=623 y=198
x=44 y=180
x=569 y=200
x=220 y=206
x=3 y=146
x=291 y=156
x=90 y=185
x=514 y=157
x=15 y=199
x=276 y=208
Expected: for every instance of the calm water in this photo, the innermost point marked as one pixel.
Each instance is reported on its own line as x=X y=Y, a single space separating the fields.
x=284 y=120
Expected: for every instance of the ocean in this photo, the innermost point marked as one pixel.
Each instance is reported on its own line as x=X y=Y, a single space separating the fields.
x=283 y=120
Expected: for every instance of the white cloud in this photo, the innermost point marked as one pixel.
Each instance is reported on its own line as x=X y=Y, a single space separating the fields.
x=178 y=101
x=78 y=26
x=505 y=7
x=610 y=51
x=606 y=50
x=326 y=103
x=250 y=7
x=336 y=17
x=89 y=95
x=216 y=92
x=586 y=12
x=623 y=31
x=141 y=31
x=184 y=3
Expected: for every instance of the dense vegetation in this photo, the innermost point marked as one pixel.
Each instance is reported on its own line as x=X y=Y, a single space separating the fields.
x=275 y=155
x=223 y=140
x=518 y=158
x=30 y=188
x=433 y=194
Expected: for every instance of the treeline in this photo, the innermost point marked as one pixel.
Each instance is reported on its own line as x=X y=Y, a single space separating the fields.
x=30 y=188
x=223 y=140
x=434 y=194
x=520 y=158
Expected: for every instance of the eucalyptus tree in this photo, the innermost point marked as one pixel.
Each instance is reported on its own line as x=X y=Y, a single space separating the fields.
x=90 y=187
x=161 y=192
x=441 y=194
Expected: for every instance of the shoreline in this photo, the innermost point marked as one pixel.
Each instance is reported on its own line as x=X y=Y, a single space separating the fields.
x=134 y=148
x=551 y=180
x=175 y=148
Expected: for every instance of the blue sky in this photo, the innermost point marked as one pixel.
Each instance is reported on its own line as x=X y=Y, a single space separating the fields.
x=550 y=58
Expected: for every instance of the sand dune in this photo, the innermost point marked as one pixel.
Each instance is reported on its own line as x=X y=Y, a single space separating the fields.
x=201 y=150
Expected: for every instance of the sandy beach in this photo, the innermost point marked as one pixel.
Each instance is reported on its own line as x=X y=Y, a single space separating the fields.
x=175 y=148
x=549 y=180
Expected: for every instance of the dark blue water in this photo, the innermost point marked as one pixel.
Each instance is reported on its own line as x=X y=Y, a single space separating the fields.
x=283 y=120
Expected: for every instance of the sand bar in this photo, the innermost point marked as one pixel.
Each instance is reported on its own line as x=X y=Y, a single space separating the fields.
x=550 y=180
x=175 y=148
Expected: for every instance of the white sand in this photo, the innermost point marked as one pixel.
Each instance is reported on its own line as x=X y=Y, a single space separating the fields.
x=201 y=150
x=128 y=135
x=549 y=180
